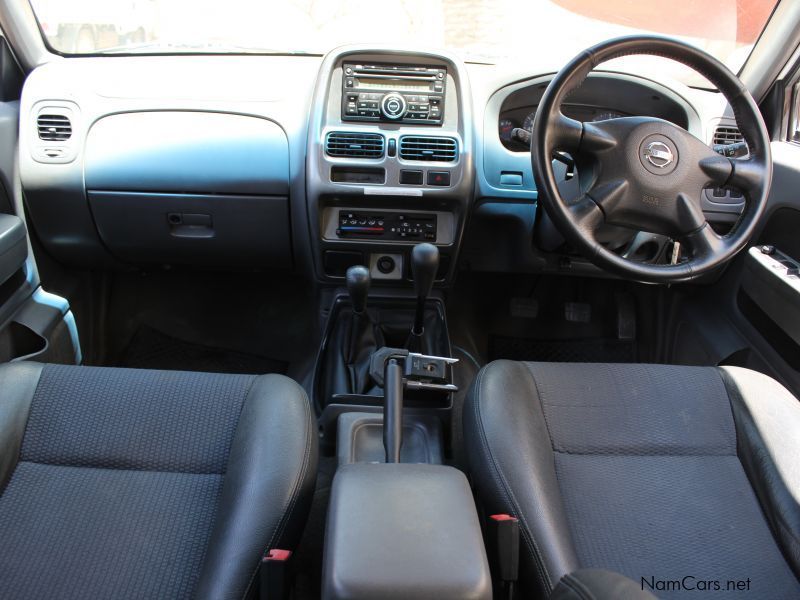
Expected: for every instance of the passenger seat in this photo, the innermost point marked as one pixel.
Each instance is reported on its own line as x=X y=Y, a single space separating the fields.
x=124 y=483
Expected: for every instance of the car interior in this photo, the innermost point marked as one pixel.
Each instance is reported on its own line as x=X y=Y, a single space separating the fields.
x=444 y=299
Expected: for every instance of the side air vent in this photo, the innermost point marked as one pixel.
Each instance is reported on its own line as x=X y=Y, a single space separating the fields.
x=54 y=128
x=727 y=135
x=354 y=145
x=441 y=149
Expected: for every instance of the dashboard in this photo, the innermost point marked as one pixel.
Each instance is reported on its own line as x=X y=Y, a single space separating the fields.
x=316 y=164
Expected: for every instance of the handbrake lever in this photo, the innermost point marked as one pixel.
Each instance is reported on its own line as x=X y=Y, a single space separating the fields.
x=396 y=370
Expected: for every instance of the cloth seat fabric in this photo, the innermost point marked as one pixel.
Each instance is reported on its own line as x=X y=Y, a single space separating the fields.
x=124 y=483
x=664 y=474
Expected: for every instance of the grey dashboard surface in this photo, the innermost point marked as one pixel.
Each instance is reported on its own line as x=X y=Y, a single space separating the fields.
x=105 y=99
x=164 y=124
x=191 y=151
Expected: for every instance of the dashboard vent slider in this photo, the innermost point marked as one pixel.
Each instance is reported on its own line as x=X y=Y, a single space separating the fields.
x=54 y=128
x=354 y=145
x=428 y=148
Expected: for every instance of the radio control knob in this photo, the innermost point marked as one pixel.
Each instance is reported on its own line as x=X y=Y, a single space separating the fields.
x=393 y=106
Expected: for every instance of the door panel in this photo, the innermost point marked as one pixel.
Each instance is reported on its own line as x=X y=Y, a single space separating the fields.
x=33 y=323
x=751 y=316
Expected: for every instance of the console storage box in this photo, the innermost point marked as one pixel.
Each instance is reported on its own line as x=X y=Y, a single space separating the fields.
x=403 y=531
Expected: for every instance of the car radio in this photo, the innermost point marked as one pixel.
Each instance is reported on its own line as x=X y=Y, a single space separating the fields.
x=394 y=93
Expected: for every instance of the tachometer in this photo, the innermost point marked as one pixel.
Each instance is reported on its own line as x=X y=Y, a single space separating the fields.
x=506 y=127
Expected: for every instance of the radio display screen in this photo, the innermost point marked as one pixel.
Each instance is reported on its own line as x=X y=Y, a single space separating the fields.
x=376 y=83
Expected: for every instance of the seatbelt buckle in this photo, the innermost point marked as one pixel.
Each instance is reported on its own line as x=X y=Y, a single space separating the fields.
x=505 y=540
x=274 y=584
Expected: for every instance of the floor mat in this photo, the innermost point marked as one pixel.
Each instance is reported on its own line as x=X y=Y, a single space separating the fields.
x=589 y=350
x=152 y=349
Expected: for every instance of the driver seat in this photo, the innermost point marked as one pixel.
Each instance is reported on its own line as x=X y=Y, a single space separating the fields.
x=664 y=474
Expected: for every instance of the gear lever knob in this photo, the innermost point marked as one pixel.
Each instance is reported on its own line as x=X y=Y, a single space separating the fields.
x=358 y=281
x=424 y=265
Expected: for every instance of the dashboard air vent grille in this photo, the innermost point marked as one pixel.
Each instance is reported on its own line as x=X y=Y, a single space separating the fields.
x=354 y=145
x=414 y=147
x=727 y=135
x=54 y=128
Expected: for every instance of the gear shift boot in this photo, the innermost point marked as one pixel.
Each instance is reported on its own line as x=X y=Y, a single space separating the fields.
x=357 y=328
x=342 y=369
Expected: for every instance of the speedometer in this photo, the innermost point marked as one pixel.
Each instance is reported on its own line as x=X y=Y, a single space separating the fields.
x=528 y=122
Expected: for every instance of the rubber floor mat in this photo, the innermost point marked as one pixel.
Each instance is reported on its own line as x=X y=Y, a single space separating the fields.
x=591 y=350
x=152 y=349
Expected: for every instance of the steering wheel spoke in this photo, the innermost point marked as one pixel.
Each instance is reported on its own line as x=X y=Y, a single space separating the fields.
x=717 y=168
x=565 y=134
x=747 y=174
x=587 y=215
x=609 y=196
x=705 y=243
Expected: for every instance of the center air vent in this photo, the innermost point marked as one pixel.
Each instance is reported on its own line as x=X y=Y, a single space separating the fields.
x=354 y=145
x=441 y=149
x=54 y=128
x=727 y=135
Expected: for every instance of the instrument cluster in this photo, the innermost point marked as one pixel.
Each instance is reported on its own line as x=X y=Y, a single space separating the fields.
x=523 y=117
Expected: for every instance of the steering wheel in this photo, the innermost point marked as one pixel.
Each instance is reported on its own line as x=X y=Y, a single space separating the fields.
x=645 y=173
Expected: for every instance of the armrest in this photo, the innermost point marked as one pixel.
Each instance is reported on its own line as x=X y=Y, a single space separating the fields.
x=13 y=246
x=403 y=531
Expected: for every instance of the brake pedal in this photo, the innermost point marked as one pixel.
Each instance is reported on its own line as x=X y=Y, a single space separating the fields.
x=626 y=317
x=524 y=308
x=577 y=312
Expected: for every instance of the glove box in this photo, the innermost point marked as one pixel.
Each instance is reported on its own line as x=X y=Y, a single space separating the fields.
x=195 y=188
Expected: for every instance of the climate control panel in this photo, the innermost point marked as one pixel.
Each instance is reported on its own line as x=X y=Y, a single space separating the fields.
x=387 y=226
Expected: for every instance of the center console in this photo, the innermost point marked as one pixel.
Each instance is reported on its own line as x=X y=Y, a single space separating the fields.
x=389 y=161
x=389 y=180
x=400 y=524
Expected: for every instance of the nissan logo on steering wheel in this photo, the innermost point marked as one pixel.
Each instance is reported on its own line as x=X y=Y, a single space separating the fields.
x=658 y=154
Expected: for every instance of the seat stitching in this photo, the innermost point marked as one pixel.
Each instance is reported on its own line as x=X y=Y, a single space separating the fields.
x=25 y=430
x=541 y=403
x=779 y=520
x=287 y=513
x=577 y=586
x=498 y=476
x=219 y=493
x=640 y=455
x=541 y=400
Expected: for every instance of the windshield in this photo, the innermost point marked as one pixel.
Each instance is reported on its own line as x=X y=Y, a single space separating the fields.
x=492 y=31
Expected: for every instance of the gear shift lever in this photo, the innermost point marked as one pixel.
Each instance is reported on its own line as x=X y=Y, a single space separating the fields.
x=358 y=281
x=424 y=265
x=360 y=335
